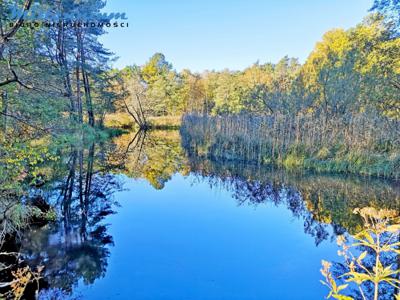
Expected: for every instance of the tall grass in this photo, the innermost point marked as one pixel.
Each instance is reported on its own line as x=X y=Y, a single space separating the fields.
x=124 y=121
x=165 y=122
x=363 y=144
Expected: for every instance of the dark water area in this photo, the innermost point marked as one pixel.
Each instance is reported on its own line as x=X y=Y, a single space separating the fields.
x=143 y=217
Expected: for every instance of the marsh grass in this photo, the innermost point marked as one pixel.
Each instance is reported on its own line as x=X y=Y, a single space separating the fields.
x=165 y=122
x=360 y=144
x=124 y=121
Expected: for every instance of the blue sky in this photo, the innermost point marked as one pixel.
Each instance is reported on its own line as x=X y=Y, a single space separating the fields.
x=218 y=34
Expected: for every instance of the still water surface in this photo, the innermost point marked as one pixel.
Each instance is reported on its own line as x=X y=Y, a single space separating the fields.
x=190 y=242
x=168 y=224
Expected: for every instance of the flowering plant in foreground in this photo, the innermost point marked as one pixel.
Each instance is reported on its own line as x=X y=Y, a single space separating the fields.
x=370 y=260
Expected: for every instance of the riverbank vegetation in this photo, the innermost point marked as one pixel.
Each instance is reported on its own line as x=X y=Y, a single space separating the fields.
x=81 y=179
x=359 y=144
x=55 y=90
x=339 y=111
x=55 y=84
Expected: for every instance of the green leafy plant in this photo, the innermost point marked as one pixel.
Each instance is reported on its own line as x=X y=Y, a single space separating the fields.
x=378 y=239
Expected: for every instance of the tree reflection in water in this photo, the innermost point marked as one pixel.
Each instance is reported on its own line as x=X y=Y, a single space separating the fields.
x=324 y=202
x=76 y=247
x=82 y=183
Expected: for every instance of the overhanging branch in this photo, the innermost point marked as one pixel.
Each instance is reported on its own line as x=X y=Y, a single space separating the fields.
x=8 y=35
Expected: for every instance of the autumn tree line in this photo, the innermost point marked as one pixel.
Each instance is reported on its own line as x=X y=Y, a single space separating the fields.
x=59 y=77
x=337 y=111
x=349 y=71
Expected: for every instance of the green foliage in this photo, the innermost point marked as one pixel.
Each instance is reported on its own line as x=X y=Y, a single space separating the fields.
x=348 y=72
x=379 y=238
x=323 y=153
x=293 y=161
x=157 y=83
x=50 y=215
x=53 y=79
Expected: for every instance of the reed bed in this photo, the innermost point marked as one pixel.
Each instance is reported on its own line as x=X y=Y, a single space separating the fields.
x=362 y=144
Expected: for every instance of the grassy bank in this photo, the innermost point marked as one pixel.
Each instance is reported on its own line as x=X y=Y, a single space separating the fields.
x=165 y=122
x=124 y=121
x=359 y=144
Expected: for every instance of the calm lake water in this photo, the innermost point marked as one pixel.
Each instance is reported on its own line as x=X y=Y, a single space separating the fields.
x=145 y=218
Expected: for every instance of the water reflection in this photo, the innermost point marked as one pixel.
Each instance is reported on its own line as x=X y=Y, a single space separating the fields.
x=82 y=184
x=155 y=156
x=319 y=199
x=76 y=246
x=328 y=199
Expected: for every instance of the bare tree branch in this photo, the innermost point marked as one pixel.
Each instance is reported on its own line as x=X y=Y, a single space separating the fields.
x=46 y=130
x=15 y=77
x=8 y=35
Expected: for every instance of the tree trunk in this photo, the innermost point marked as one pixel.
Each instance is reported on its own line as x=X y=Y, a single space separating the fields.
x=4 y=99
x=78 y=90
x=85 y=78
x=62 y=62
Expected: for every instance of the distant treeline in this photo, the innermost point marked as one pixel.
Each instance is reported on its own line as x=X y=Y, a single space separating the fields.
x=348 y=72
x=339 y=111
